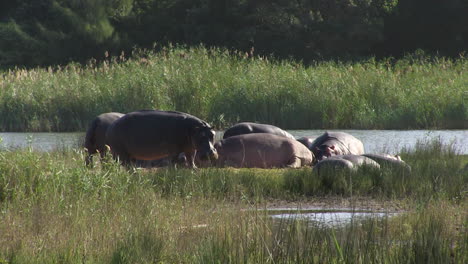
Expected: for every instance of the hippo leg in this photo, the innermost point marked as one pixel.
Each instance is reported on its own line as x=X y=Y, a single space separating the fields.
x=190 y=156
x=89 y=156
x=179 y=159
x=122 y=156
x=89 y=159
x=102 y=154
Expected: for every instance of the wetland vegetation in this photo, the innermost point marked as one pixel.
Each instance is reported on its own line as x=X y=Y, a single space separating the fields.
x=294 y=64
x=54 y=209
x=224 y=87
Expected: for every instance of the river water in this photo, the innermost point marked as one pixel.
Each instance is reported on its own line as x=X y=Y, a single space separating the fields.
x=375 y=141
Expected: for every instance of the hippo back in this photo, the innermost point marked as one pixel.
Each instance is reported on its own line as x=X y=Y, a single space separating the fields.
x=262 y=150
x=153 y=134
x=345 y=163
x=96 y=133
x=249 y=127
x=389 y=161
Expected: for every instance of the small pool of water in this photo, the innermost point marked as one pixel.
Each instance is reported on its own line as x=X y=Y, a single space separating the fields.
x=328 y=217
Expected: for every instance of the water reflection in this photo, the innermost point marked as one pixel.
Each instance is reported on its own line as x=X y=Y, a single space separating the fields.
x=389 y=141
x=41 y=141
x=328 y=218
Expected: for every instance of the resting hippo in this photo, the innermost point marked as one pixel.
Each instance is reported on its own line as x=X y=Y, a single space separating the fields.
x=307 y=141
x=262 y=150
x=248 y=128
x=153 y=134
x=336 y=143
x=96 y=134
x=347 y=162
x=389 y=161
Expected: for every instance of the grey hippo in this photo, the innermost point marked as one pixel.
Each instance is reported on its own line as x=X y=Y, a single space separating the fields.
x=389 y=161
x=249 y=128
x=336 y=143
x=154 y=134
x=262 y=150
x=95 y=138
x=344 y=163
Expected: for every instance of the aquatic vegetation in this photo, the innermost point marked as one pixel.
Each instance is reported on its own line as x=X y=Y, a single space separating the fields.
x=224 y=87
x=55 y=209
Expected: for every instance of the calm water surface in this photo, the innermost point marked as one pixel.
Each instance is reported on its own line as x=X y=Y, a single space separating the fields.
x=389 y=141
x=328 y=217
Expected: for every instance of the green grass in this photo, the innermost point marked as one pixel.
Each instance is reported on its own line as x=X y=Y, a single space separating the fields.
x=53 y=209
x=224 y=88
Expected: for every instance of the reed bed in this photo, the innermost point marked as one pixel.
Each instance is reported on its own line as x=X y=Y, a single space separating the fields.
x=224 y=87
x=54 y=210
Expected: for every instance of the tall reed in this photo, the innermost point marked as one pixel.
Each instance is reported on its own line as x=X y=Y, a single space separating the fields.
x=53 y=209
x=224 y=87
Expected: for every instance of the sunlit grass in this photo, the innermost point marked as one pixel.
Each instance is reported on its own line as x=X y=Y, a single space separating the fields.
x=53 y=209
x=224 y=88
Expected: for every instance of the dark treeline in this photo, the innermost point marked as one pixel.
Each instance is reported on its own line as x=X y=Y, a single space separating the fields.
x=44 y=32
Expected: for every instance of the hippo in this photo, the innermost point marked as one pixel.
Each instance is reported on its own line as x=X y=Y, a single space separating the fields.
x=389 y=161
x=307 y=141
x=345 y=162
x=262 y=150
x=155 y=134
x=249 y=127
x=336 y=143
x=95 y=138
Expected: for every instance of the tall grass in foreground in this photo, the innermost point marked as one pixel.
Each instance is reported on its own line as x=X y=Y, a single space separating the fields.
x=54 y=210
x=224 y=88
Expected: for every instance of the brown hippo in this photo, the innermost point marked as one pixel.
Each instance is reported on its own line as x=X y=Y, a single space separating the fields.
x=344 y=162
x=389 y=161
x=336 y=143
x=153 y=134
x=307 y=141
x=248 y=128
x=95 y=138
x=262 y=150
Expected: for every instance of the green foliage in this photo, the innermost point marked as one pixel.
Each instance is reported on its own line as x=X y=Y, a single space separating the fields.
x=58 y=31
x=224 y=88
x=54 y=209
x=432 y=26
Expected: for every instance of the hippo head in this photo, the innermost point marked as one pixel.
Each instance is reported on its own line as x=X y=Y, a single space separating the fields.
x=203 y=139
x=324 y=151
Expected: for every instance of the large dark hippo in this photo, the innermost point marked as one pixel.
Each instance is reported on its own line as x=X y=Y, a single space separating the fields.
x=262 y=150
x=248 y=128
x=336 y=143
x=95 y=138
x=389 y=161
x=153 y=134
x=307 y=141
x=344 y=163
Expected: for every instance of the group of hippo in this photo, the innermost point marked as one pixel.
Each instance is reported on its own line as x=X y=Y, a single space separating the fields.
x=153 y=137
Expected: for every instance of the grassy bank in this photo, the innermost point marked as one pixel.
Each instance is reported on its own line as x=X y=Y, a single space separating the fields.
x=55 y=210
x=224 y=88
